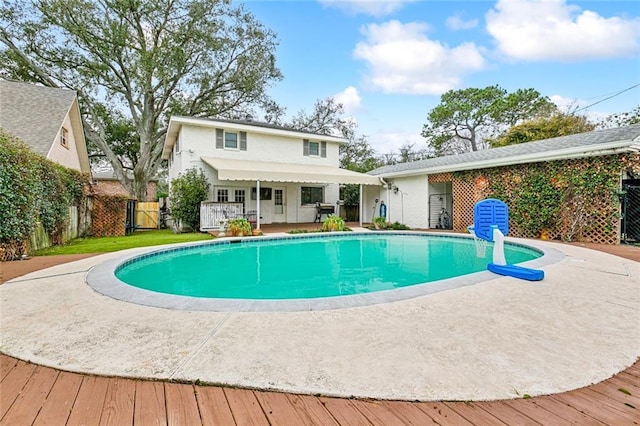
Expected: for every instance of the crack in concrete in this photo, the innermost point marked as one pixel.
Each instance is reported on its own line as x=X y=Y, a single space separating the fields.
x=204 y=342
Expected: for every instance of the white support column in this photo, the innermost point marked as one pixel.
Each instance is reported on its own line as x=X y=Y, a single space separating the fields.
x=257 y=204
x=361 y=209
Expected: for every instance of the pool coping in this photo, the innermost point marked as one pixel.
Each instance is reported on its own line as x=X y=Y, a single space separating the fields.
x=102 y=279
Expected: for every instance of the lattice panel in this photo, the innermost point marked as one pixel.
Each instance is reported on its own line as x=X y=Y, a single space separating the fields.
x=440 y=178
x=466 y=193
x=588 y=219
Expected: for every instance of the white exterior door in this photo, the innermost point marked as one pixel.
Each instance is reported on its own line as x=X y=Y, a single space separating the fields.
x=279 y=209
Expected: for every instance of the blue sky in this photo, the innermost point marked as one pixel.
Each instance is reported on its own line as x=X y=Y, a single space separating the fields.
x=389 y=62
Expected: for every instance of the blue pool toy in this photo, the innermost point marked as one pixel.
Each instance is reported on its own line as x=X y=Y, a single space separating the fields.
x=491 y=223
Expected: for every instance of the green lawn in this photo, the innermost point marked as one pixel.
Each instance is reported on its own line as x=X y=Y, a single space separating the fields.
x=109 y=244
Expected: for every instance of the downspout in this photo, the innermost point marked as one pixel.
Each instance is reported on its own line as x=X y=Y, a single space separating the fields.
x=257 y=204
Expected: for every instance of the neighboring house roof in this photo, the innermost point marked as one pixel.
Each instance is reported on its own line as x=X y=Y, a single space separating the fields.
x=35 y=115
x=595 y=143
x=110 y=175
x=176 y=122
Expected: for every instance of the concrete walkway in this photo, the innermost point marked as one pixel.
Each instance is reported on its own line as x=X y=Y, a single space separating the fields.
x=497 y=339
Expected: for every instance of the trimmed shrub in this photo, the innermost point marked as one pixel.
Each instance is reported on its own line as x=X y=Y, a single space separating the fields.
x=187 y=192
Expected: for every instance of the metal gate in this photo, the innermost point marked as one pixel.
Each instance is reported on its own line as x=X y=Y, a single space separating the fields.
x=631 y=212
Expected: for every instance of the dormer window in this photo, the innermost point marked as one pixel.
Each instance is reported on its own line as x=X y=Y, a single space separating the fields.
x=64 y=137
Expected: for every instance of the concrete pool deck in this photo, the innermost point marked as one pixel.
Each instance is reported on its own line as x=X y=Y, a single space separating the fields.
x=496 y=339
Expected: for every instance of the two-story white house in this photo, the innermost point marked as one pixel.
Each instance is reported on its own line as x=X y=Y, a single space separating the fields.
x=277 y=173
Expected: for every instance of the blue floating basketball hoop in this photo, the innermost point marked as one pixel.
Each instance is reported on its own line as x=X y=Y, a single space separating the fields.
x=491 y=223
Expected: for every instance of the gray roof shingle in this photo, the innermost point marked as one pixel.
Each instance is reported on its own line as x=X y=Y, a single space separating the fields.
x=33 y=113
x=588 y=140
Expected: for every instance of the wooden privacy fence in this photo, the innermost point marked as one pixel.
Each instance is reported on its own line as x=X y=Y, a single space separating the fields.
x=211 y=214
x=147 y=215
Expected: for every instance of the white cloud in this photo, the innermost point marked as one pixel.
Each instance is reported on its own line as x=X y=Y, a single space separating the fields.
x=551 y=29
x=350 y=100
x=402 y=59
x=389 y=141
x=457 y=23
x=571 y=104
x=377 y=8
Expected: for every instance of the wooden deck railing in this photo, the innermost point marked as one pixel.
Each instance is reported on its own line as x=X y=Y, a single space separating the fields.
x=212 y=213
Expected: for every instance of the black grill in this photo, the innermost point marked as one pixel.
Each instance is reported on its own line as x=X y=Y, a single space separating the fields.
x=631 y=213
x=325 y=209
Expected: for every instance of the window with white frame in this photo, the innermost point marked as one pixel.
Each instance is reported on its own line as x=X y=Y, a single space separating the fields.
x=231 y=140
x=239 y=196
x=312 y=194
x=64 y=137
x=314 y=149
x=223 y=195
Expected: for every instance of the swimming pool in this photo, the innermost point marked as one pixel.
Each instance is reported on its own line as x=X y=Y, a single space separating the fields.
x=102 y=278
x=302 y=268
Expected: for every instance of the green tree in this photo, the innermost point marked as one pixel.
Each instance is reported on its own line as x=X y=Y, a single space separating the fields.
x=544 y=128
x=465 y=118
x=187 y=192
x=146 y=60
x=621 y=119
x=358 y=156
x=326 y=119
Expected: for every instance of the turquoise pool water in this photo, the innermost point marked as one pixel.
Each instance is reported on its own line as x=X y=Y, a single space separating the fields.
x=314 y=267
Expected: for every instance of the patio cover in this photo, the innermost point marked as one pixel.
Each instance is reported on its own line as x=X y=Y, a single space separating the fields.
x=286 y=172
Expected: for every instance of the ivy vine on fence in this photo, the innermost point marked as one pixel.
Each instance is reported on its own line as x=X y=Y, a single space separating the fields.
x=34 y=189
x=565 y=199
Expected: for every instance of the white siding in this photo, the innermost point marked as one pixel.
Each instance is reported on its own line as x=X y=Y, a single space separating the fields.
x=410 y=204
x=196 y=141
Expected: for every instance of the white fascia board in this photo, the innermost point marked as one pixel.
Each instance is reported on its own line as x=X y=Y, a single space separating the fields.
x=256 y=129
x=170 y=138
x=610 y=148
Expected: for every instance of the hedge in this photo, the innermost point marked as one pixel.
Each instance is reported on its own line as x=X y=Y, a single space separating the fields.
x=34 y=189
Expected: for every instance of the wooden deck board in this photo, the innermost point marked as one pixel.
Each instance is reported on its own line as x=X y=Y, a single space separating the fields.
x=30 y=400
x=89 y=402
x=344 y=411
x=214 y=409
x=409 y=413
x=280 y=410
x=150 y=407
x=182 y=407
x=474 y=413
x=12 y=385
x=442 y=414
x=245 y=407
x=57 y=408
x=596 y=408
x=119 y=402
x=507 y=413
x=6 y=365
x=377 y=412
x=534 y=411
x=39 y=395
x=628 y=395
x=561 y=409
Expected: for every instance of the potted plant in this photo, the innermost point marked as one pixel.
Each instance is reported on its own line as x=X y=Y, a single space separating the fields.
x=239 y=227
